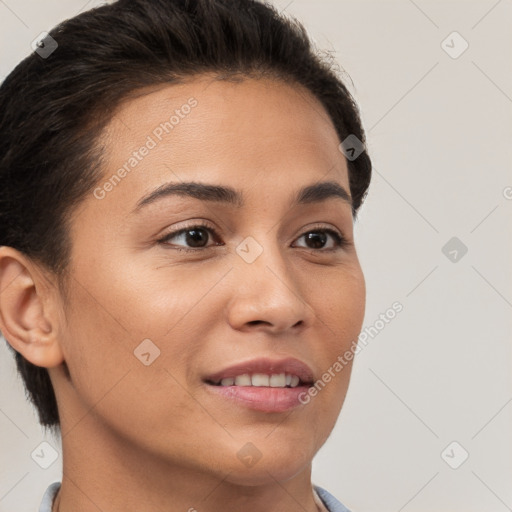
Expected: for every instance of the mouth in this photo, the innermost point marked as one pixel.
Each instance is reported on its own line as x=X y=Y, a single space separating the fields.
x=263 y=385
x=274 y=380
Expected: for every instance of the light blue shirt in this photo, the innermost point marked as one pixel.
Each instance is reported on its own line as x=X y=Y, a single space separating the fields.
x=330 y=502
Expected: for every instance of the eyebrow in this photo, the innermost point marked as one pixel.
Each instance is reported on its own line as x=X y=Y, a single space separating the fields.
x=315 y=193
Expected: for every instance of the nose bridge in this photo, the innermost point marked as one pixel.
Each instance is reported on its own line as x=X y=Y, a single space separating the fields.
x=266 y=290
x=263 y=263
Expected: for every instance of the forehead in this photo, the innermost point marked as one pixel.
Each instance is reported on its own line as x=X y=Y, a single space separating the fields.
x=219 y=131
x=237 y=100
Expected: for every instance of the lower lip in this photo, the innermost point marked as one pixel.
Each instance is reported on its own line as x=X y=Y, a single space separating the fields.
x=262 y=398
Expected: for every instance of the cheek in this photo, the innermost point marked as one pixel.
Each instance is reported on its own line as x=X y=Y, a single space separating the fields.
x=98 y=346
x=112 y=314
x=155 y=298
x=110 y=381
x=339 y=302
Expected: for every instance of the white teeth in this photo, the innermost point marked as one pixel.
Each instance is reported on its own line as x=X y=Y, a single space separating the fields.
x=243 y=380
x=277 y=380
x=260 y=379
x=295 y=381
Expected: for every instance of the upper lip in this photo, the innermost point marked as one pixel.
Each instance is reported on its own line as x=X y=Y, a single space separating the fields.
x=266 y=366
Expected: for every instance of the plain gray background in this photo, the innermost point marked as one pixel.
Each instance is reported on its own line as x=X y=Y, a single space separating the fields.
x=439 y=130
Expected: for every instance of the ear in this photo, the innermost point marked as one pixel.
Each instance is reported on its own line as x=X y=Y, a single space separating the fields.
x=28 y=309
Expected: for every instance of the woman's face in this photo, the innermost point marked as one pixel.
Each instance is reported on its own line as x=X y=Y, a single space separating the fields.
x=155 y=320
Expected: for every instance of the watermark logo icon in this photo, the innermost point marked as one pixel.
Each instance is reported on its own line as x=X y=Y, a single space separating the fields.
x=249 y=455
x=351 y=147
x=249 y=249
x=454 y=249
x=44 y=455
x=44 y=45
x=454 y=455
x=454 y=45
x=146 y=352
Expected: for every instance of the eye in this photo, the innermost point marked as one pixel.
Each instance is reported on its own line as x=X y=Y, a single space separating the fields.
x=196 y=237
x=193 y=238
x=325 y=239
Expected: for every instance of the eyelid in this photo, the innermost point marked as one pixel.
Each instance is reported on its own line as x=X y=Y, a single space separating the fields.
x=341 y=239
x=193 y=224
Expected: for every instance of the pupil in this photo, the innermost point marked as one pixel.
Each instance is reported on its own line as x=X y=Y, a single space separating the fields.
x=317 y=239
x=195 y=237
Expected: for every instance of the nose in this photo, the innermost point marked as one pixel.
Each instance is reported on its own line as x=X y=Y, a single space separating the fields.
x=268 y=295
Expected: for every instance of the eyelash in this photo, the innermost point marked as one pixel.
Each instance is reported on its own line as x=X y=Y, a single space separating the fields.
x=339 y=239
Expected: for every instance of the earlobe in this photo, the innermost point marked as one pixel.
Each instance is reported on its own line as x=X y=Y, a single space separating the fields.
x=25 y=310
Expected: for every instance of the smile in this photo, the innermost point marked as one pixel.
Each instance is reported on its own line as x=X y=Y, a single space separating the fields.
x=262 y=385
x=276 y=380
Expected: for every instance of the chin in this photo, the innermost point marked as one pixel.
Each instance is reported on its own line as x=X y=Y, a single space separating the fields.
x=265 y=475
x=269 y=464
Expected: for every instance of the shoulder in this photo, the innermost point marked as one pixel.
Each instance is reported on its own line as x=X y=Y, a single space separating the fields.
x=48 y=497
x=331 y=503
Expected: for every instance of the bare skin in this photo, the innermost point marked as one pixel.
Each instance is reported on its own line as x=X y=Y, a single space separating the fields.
x=155 y=438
